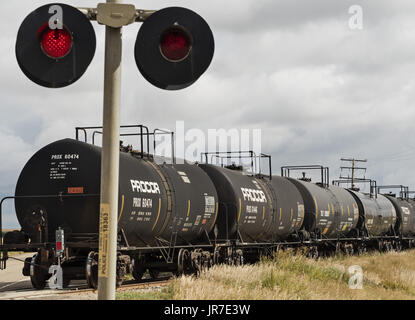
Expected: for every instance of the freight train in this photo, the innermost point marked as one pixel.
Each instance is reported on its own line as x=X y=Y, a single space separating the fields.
x=182 y=218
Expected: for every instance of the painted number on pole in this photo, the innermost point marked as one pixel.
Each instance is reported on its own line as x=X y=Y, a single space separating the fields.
x=104 y=243
x=56 y=21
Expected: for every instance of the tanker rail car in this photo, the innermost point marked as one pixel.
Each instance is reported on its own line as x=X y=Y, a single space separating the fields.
x=181 y=218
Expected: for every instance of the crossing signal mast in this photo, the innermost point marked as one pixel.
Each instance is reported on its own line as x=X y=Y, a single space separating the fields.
x=54 y=47
x=352 y=171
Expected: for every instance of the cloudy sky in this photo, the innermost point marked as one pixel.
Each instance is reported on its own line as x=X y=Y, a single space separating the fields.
x=318 y=87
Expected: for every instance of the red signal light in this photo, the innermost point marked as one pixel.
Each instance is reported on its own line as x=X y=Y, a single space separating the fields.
x=175 y=44
x=56 y=43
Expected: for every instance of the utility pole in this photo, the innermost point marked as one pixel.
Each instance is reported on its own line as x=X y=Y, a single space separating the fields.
x=110 y=164
x=352 y=168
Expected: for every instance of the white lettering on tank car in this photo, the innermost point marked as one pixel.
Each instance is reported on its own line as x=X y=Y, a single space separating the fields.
x=197 y=221
x=209 y=204
x=184 y=176
x=147 y=203
x=325 y=213
x=253 y=195
x=70 y=156
x=145 y=186
x=137 y=202
x=406 y=210
x=252 y=209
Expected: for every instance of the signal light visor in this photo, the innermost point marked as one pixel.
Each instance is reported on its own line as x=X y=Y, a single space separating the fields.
x=175 y=44
x=56 y=43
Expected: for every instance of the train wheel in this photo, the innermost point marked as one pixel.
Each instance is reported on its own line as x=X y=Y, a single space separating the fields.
x=315 y=253
x=207 y=260
x=380 y=245
x=312 y=253
x=123 y=263
x=92 y=270
x=361 y=249
x=138 y=267
x=217 y=256
x=38 y=273
x=338 y=248
x=389 y=246
x=196 y=258
x=137 y=274
x=398 y=246
x=239 y=258
x=66 y=281
x=154 y=273
x=119 y=281
x=183 y=262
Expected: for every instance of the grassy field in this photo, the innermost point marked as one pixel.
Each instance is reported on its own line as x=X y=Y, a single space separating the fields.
x=287 y=276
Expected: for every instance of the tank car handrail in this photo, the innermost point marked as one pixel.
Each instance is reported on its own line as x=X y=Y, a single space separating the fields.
x=162 y=131
x=229 y=154
x=410 y=192
x=269 y=163
x=241 y=155
x=58 y=196
x=373 y=185
x=77 y=135
x=325 y=173
x=141 y=133
x=93 y=136
x=403 y=192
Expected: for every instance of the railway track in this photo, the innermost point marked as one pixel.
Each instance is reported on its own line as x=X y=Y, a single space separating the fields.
x=129 y=285
x=22 y=290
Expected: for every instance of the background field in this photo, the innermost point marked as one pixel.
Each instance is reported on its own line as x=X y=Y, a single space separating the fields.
x=287 y=276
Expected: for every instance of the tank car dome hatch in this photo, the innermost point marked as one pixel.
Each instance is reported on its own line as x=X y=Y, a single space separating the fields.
x=235 y=167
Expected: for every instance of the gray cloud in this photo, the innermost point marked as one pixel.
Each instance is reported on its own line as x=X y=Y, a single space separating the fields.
x=317 y=89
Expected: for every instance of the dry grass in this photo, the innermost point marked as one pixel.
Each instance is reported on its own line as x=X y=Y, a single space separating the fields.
x=288 y=276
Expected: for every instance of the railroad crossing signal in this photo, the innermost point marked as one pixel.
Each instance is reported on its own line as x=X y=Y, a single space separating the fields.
x=174 y=48
x=54 y=47
x=56 y=57
x=56 y=43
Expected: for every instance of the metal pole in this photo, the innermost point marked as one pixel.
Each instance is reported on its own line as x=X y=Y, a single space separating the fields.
x=110 y=164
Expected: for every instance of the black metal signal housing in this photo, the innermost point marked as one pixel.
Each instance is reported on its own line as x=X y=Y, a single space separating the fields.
x=174 y=48
x=55 y=58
